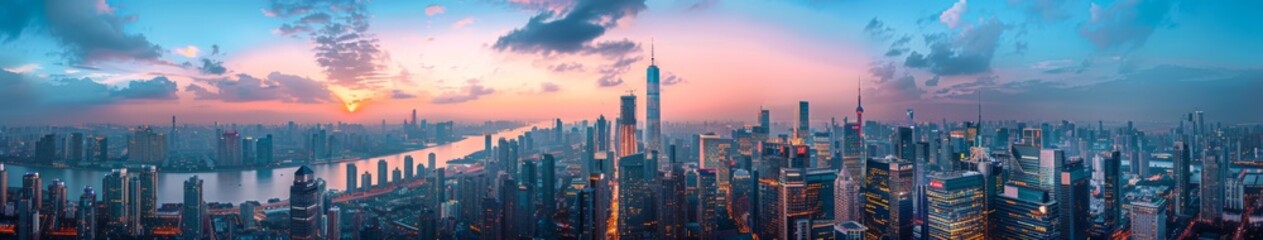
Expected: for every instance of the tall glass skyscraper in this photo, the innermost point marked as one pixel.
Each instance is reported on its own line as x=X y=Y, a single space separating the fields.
x=653 y=107
x=627 y=126
x=304 y=210
x=955 y=205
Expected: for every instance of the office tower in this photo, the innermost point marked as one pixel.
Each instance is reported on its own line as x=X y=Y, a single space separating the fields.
x=383 y=174
x=396 y=176
x=1111 y=194
x=4 y=185
x=28 y=219
x=148 y=191
x=101 y=149
x=194 y=210
x=1180 y=164
x=46 y=149
x=408 y=166
x=76 y=148
x=740 y=195
x=1026 y=213
x=767 y=198
x=248 y=211
x=548 y=195
x=430 y=159
x=954 y=206
x=802 y=128
x=147 y=146
x=765 y=122
x=351 y=173
x=304 y=201
x=264 y=151
x=86 y=215
x=1149 y=218
x=846 y=198
x=58 y=200
x=248 y=153
x=333 y=224
x=627 y=126
x=1074 y=195
x=1212 y=191
x=583 y=219
x=602 y=128
x=228 y=149
x=806 y=197
x=31 y=189
x=672 y=214
x=710 y=204
x=116 y=197
x=636 y=194
x=653 y=107
x=715 y=153
x=853 y=156
x=888 y=198
x=366 y=181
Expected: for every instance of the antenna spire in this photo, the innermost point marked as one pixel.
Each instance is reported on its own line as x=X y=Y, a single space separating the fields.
x=651 y=52
x=859 y=90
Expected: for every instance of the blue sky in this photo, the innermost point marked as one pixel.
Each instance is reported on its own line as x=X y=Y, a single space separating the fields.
x=363 y=61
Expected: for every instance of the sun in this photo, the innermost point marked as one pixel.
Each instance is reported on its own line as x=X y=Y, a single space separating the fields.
x=352 y=100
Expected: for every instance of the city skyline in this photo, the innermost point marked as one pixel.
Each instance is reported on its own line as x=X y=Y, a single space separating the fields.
x=73 y=62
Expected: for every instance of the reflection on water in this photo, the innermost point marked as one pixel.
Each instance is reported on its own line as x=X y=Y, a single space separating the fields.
x=260 y=185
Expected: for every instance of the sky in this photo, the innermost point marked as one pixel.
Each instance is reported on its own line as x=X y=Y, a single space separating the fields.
x=140 y=62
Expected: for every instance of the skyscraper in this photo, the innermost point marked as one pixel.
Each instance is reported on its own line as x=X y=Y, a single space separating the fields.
x=765 y=122
x=1180 y=164
x=264 y=151
x=1149 y=218
x=116 y=197
x=710 y=203
x=1212 y=191
x=228 y=149
x=1074 y=196
x=1111 y=194
x=802 y=128
x=627 y=126
x=148 y=192
x=846 y=198
x=147 y=146
x=548 y=195
x=888 y=199
x=954 y=206
x=408 y=166
x=4 y=181
x=636 y=191
x=1026 y=213
x=194 y=209
x=31 y=189
x=653 y=107
x=383 y=173
x=806 y=197
x=86 y=215
x=351 y=176
x=304 y=201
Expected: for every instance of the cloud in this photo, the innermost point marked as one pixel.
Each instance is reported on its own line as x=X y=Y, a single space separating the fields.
x=463 y=22
x=159 y=88
x=951 y=16
x=16 y=16
x=884 y=71
x=400 y=94
x=970 y=52
x=187 y=51
x=1062 y=66
x=316 y=18
x=672 y=79
x=549 y=87
x=571 y=32
x=212 y=67
x=434 y=9
x=1125 y=24
x=91 y=36
x=1043 y=11
x=214 y=49
x=878 y=29
x=932 y=82
x=348 y=54
x=566 y=67
x=276 y=87
x=702 y=5
x=287 y=29
x=25 y=68
x=609 y=81
x=470 y=92
x=610 y=74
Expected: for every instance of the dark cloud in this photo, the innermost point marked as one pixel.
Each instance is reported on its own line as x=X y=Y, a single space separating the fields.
x=970 y=52
x=878 y=29
x=400 y=94
x=1043 y=11
x=214 y=49
x=571 y=32
x=350 y=56
x=16 y=16
x=1081 y=67
x=566 y=67
x=884 y=71
x=610 y=74
x=895 y=52
x=159 y=88
x=672 y=79
x=212 y=67
x=702 y=5
x=277 y=87
x=549 y=87
x=1125 y=24
x=932 y=82
x=472 y=91
x=90 y=35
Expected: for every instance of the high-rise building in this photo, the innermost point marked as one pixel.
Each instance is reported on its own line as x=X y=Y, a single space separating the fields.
x=806 y=197
x=408 y=166
x=846 y=198
x=191 y=223
x=1213 y=172
x=116 y=197
x=849 y=230
x=431 y=160
x=636 y=191
x=264 y=151
x=653 y=107
x=715 y=153
x=100 y=149
x=351 y=176
x=1026 y=213
x=710 y=203
x=765 y=122
x=802 y=128
x=366 y=181
x=1149 y=218
x=853 y=157
x=147 y=146
x=28 y=227
x=1074 y=195
x=548 y=195
x=333 y=224
x=4 y=181
x=148 y=191
x=888 y=199
x=955 y=209
x=248 y=151
x=58 y=200
x=383 y=173
x=86 y=215
x=627 y=126
x=228 y=149
x=304 y=201
x=31 y=189
x=1180 y=165
x=396 y=176
x=1111 y=194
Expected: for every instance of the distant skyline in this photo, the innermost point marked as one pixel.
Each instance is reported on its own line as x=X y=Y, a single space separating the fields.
x=140 y=62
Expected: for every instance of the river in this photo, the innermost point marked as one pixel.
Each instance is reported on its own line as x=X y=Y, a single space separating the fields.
x=261 y=184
